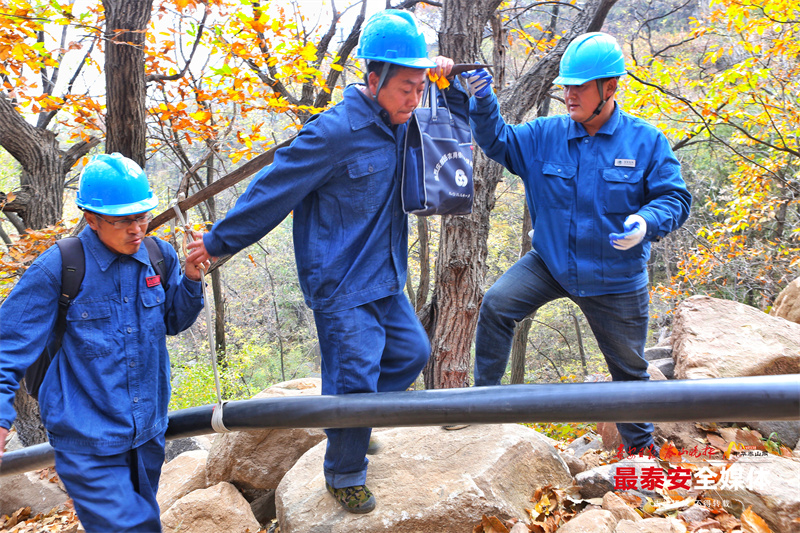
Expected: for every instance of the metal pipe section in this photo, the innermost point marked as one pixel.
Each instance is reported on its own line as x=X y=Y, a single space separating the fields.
x=706 y=400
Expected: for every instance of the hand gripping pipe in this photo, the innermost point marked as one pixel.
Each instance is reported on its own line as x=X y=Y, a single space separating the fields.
x=702 y=400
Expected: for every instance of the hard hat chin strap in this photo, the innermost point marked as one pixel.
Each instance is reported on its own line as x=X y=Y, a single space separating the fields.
x=381 y=80
x=602 y=103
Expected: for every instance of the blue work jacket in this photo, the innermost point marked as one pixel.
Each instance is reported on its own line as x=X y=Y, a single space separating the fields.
x=341 y=177
x=107 y=389
x=581 y=188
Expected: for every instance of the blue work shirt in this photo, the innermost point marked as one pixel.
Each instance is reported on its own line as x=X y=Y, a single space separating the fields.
x=341 y=177
x=581 y=188
x=107 y=389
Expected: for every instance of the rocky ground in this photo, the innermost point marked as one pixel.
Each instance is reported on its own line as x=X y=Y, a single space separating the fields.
x=563 y=509
x=741 y=477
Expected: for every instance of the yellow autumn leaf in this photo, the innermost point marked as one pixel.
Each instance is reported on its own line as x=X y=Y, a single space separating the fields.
x=542 y=505
x=440 y=81
x=491 y=524
x=201 y=116
x=752 y=523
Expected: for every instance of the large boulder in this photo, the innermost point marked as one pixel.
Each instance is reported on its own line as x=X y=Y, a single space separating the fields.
x=770 y=485
x=427 y=479
x=597 y=481
x=211 y=510
x=40 y=490
x=182 y=475
x=176 y=447
x=715 y=338
x=787 y=305
x=259 y=459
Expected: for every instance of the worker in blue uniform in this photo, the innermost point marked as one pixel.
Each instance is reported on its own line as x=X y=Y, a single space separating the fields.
x=104 y=398
x=601 y=185
x=341 y=179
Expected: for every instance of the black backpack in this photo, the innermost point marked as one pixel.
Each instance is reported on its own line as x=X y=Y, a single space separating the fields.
x=73 y=267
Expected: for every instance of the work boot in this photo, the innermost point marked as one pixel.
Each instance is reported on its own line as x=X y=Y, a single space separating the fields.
x=357 y=499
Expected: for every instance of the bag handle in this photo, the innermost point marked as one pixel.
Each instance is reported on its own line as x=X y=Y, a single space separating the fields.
x=429 y=99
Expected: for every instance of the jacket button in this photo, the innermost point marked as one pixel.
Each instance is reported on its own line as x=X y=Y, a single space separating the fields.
x=129 y=330
x=85 y=314
x=370 y=169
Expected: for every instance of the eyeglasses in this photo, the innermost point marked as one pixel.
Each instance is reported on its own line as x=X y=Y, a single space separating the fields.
x=123 y=223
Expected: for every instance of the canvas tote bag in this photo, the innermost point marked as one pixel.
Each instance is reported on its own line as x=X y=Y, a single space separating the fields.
x=437 y=162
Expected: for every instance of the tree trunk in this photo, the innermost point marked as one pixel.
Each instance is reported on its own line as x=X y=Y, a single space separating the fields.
x=216 y=274
x=581 y=349
x=520 y=344
x=451 y=317
x=126 y=24
x=423 y=230
x=28 y=423
x=518 y=349
x=44 y=170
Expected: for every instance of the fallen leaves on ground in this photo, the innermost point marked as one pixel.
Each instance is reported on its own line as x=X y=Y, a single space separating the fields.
x=554 y=507
x=60 y=519
x=752 y=523
x=551 y=513
x=490 y=524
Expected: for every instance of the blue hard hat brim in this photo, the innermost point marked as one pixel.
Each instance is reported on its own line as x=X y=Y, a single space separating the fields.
x=410 y=62
x=122 y=210
x=565 y=80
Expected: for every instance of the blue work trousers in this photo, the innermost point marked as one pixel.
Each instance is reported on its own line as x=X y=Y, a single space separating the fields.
x=376 y=347
x=115 y=493
x=618 y=321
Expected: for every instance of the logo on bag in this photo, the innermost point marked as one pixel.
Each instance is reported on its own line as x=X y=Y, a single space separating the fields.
x=461 y=178
x=443 y=161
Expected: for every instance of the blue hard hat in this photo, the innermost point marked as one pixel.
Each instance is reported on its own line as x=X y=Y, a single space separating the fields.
x=392 y=36
x=591 y=56
x=112 y=184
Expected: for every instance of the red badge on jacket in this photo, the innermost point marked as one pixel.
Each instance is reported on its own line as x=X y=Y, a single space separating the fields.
x=153 y=281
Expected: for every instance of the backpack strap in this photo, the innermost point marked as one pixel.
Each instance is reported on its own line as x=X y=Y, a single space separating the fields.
x=156 y=259
x=73 y=267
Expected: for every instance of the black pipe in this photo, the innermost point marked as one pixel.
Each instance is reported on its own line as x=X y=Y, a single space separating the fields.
x=706 y=400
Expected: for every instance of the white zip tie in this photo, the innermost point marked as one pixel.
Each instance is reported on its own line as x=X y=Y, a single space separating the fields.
x=216 y=418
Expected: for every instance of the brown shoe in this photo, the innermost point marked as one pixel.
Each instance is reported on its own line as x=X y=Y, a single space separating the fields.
x=357 y=499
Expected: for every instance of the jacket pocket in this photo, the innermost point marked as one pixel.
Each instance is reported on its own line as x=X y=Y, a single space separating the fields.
x=624 y=192
x=89 y=324
x=153 y=312
x=370 y=178
x=558 y=186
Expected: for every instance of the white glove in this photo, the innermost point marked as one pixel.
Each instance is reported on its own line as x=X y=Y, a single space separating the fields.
x=635 y=227
x=479 y=83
